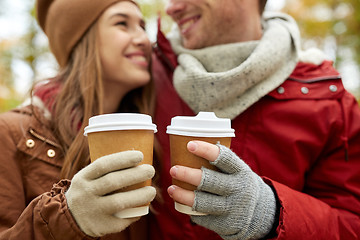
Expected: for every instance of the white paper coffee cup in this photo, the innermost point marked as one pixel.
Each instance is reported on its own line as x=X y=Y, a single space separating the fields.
x=111 y=133
x=205 y=127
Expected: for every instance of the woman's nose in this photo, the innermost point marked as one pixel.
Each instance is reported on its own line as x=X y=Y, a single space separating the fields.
x=140 y=37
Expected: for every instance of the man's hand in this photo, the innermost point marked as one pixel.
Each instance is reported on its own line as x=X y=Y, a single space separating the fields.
x=238 y=203
x=191 y=175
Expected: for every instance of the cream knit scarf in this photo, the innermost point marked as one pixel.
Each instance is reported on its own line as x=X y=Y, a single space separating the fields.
x=227 y=79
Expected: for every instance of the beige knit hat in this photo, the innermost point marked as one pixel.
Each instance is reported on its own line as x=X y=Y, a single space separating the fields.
x=66 y=21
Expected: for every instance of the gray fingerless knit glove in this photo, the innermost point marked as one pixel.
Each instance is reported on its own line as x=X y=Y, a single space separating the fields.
x=89 y=198
x=240 y=205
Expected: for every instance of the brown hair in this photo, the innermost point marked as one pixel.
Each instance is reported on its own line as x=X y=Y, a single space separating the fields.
x=81 y=97
x=57 y=18
x=262 y=4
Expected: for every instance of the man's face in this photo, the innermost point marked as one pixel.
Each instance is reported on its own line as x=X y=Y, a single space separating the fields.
x=204 y=23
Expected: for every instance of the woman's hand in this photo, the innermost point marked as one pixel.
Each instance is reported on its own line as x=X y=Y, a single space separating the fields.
x=91 y=198
x=238 y=203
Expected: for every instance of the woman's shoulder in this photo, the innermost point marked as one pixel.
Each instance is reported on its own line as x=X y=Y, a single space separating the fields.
x=27 y=130
x=27 y=112
x=18 y=122
x=15 y=120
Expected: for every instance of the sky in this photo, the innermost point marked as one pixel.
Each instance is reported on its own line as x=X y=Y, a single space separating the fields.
x=13 y=16
x=13 y=23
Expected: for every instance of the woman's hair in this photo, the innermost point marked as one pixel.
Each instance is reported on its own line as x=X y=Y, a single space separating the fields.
x=81 y=97
x=262 y=4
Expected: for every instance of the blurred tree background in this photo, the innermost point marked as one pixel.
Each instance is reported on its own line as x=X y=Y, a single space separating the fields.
x=331 y=25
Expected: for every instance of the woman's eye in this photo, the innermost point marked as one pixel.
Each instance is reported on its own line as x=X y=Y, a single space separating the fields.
x=122 y=23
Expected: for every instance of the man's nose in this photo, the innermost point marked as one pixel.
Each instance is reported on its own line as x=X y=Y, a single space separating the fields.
x=174 y=7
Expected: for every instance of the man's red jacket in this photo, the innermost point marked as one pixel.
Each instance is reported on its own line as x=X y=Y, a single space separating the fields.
x=304 y=144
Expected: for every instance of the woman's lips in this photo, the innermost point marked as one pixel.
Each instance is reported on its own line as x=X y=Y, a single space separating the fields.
x=138 y=59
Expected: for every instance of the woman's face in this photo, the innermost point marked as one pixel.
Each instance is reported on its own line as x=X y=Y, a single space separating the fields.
x=125 y=50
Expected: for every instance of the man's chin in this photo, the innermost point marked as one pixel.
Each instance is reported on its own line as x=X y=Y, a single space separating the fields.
x=190 y=44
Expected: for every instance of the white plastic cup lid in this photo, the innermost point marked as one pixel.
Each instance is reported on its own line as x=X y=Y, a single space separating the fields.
x=120 y=121
x=205 y=124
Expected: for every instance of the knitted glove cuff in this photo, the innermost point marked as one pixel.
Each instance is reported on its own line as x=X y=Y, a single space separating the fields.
x=263 y=217
x=240 y=205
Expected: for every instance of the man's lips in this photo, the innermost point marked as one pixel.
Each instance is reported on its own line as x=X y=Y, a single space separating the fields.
x=185 y=25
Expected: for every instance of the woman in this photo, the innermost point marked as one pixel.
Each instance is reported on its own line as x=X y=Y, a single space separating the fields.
x=104 y=56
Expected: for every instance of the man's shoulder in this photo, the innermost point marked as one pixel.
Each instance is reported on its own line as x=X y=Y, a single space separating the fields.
x=311 y=81
x=308 y=72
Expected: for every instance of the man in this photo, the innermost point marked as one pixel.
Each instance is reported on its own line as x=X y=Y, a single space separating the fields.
x=294 y=168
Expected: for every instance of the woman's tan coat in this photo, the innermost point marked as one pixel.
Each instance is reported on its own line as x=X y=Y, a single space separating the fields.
x=32 y=200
